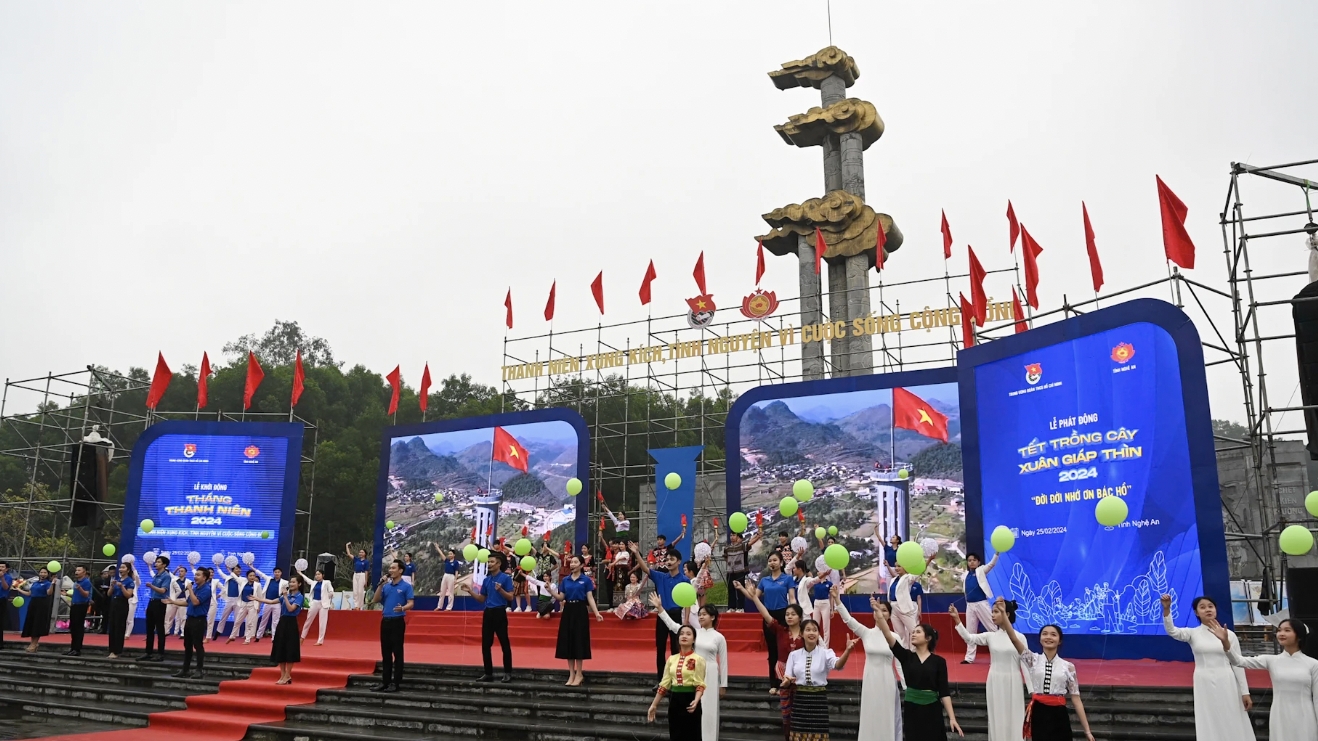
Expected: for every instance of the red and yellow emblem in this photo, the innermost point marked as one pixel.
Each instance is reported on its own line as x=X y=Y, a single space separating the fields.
x=252 y=451
x=1123 y=353
x=759 y=305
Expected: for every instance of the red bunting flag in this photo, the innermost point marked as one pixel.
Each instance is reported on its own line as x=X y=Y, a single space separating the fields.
x=684 y=520
x=967 y=329
x=1018 y=312
x=203 y=381
x=508 y=450
x=525 y=531
x=947 y=238
x=395 y=379
x=1175 y=239
x=759 y=262
x=508 y=309
x=489 y=530
x=978 y=299
x=548 y=535
x=1031 y=250
x=1013 y=226
x=910 y=412
x=600 y=496
x=597 y=290
x=254 y=377
x=820 y=248
x=424 y=398
x=159 y=382
x=549 y=305
x=716 y=523
x=299 y=379
x=880 y=245
x=1095 y=267
x=473 y=533
x=699 y=273
x=800 y=515
x=645 y=284
x=759 y=518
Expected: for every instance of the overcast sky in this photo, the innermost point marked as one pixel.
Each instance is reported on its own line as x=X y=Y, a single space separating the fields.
x=174 y=175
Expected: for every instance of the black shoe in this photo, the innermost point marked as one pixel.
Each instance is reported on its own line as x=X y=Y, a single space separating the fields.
x=485 y=678
x=199 y=674
x=180 y=674
x=506 y=678
x=146 y=657
x=967 y=662
x=391 y=688
x=159 y=659
x=70 y=652
x=380 y=688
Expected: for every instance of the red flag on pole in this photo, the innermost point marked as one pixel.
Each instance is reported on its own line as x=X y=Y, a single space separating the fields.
x=1175 y=239
x=254 y=377
x=880 y=242
x=549 y=305
x=395 y=379
x=597 y=290
x=645 y=284
x=299 y=379
x=910 y=412
x=159 y=382
x=203 y=379
x=508 y=450
x=967 y=329
x=1018 y=312
x=508 y=309
x=759 y=262
x=1095 y=267
x=1013 y=226
x=978 y=299
x=424 y=399
x=699 y=273
x=947 y=238
x=820 y=248
x=1031 y=250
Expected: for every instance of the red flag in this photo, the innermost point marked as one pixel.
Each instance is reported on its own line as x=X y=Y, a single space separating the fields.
x=699 y=273
x=508 y=309
x=820 y=248
x=548 y=535
x=759 y=518
x=203 y=379
x=684 y=520
x=473 y=533
x=525 y=531
x=759 y=262
x=549 y=305
x=1175 y=240
x=910 y=412
x=1018 y=312
x=597 y=290
x=947 y=238
x=716 y=523
x=424 y=399
x=1030 y=249
x=159 y=382
x=299 y=379
x=254 y=377
x=395 y=379
x=599 y=495
x=645 y=284
x=1095 y=267
x=967 y=329
x=1014 y=226
x=508 y=450
x=978 y=299
x=880 y=242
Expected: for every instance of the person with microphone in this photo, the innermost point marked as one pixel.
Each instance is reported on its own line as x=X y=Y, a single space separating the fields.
x=197 y=598
x=496 y=593
x=397 y=598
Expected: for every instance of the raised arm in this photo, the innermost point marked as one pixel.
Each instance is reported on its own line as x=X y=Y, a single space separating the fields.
x=1180 y=634
x=755 y=598
x=679 y=537
x=852 y=624
x=657 y=603
x=977 y=639
x=1015 y=637
x=259 y=574
x=992 y=563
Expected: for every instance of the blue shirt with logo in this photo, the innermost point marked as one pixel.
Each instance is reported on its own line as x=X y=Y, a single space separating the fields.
x=493 y=598
x=664 y=583
x=160 y=581
x=40 y=588
x=774 y=590
x=80 y=598
x=576 y=589
x=409 y=569
x=5 y=581
x=820 y=590
x=121 y=589
x=393 y=596
x=889 y=555
x=203 y=605
x=285 y=610
x=360 y=566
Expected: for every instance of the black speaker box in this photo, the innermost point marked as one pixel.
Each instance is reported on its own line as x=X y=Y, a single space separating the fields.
x=90 y=468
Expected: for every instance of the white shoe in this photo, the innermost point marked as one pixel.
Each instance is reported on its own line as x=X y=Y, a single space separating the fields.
x=247 y=641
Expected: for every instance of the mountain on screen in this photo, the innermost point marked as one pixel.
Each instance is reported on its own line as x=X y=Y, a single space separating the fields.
x=551 y=464
x=418 y=465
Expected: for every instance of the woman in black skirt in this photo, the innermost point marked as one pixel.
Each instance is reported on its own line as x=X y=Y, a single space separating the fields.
x=575 y=591
x=684 y=683
x=37 y=623
x=926 y=685
x=1052 y=678
x=122 y=588
x=286 y=650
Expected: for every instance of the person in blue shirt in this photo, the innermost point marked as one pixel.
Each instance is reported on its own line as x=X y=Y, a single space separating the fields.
x=496 y=593
x=6 y=581
x=395 y=597
x=409 y=569
x=82 y=597
x=905 y=598
x=249 y=609
x=322 y=601
x=776 y=590
x=664 y=581
x=447 y=587
x=196 y=600
x=159 y=588
x=286 y=647
x=122 y=588
x=575 y=591
x=361 y=569
x=232 y=588
x=275 y=586
x=38 y=592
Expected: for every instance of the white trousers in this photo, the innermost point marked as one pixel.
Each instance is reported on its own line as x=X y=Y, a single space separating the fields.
x=248 y=613
x=977 y=614
x=446 y=590
x=174 y=619
x=902 y=625
x=210 y=618
x=231 y=607
x=824 y=616
x=317 y=609
x=359 y=591
x=268 y=619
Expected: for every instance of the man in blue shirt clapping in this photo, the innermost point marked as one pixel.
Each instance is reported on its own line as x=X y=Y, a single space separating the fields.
x=396 y=597
x=197 y=601
x=82 y=595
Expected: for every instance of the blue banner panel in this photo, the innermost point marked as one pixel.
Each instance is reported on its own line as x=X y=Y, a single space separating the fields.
x=671 y=505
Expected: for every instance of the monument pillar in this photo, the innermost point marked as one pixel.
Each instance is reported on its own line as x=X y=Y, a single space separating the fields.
x=812 y=353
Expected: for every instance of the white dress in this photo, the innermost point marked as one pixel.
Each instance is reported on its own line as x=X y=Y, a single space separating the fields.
x=1219 y=713
x=878 y=721
x=1005 y=689
x=1294 y=713
x=710 y=646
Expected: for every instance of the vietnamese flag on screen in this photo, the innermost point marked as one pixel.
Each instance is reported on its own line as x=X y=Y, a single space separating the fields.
x=508 y=450
x=910 y=412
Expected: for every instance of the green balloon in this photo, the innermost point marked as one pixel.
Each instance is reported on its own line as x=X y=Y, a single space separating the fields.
x=1296 y=540
x=528 y=563
x=108 y=549
x=910 y=556
x=1111 y=511
x=69 y=593
x=803 y=490
x=147 y=526
x=684 y=594
x=439 y=496
x=53 y=567
x=18 y=602
x=265 y=535
x=738 y=522
x=836 y=556
x=1002 y=539
x=469 y=552
x=832 y=530
x=672 y=481
x=788 y=507
x=820 y=533
x=482 y=555
x=573 y=486
x=1311 y=503
x=306 y=602
x=522 y=547
x=388 y=524
x=902 y=474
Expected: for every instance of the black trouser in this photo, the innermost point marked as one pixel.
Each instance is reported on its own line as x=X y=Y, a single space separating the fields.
x=736 y=600
x=77 y=625
x=771 y=638
x=194 y=639
x=4 y=619
x=665 y=639
x=155 y=625
x=392 y=631
x=608 y=591
x=118 y=623
x=103 y=607
x=495 y=623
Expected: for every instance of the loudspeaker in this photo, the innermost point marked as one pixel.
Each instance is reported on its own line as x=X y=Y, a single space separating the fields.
x=325 y=563
x=1302 y=595
x=1305 y=315
x=89 y=469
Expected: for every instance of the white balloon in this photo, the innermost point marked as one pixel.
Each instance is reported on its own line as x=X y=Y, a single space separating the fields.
x=231 y=561
x=800 y=544
x=702 y=551
x=301 y=564
x=930 y=546
x=218 y=559
x=821 y=565
x=249 y=557
x=151 y=556
x=128 y=558
x=194 y=558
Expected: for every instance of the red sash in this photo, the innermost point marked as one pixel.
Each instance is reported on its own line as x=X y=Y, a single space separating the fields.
x=1050 y=700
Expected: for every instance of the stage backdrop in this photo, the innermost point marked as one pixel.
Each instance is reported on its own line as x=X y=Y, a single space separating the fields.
x=1113 y=403
x=438 y=480
x=842 y=435
x=215 y=488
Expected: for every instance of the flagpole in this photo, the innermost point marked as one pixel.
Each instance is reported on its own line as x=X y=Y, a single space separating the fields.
x=892 y=433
